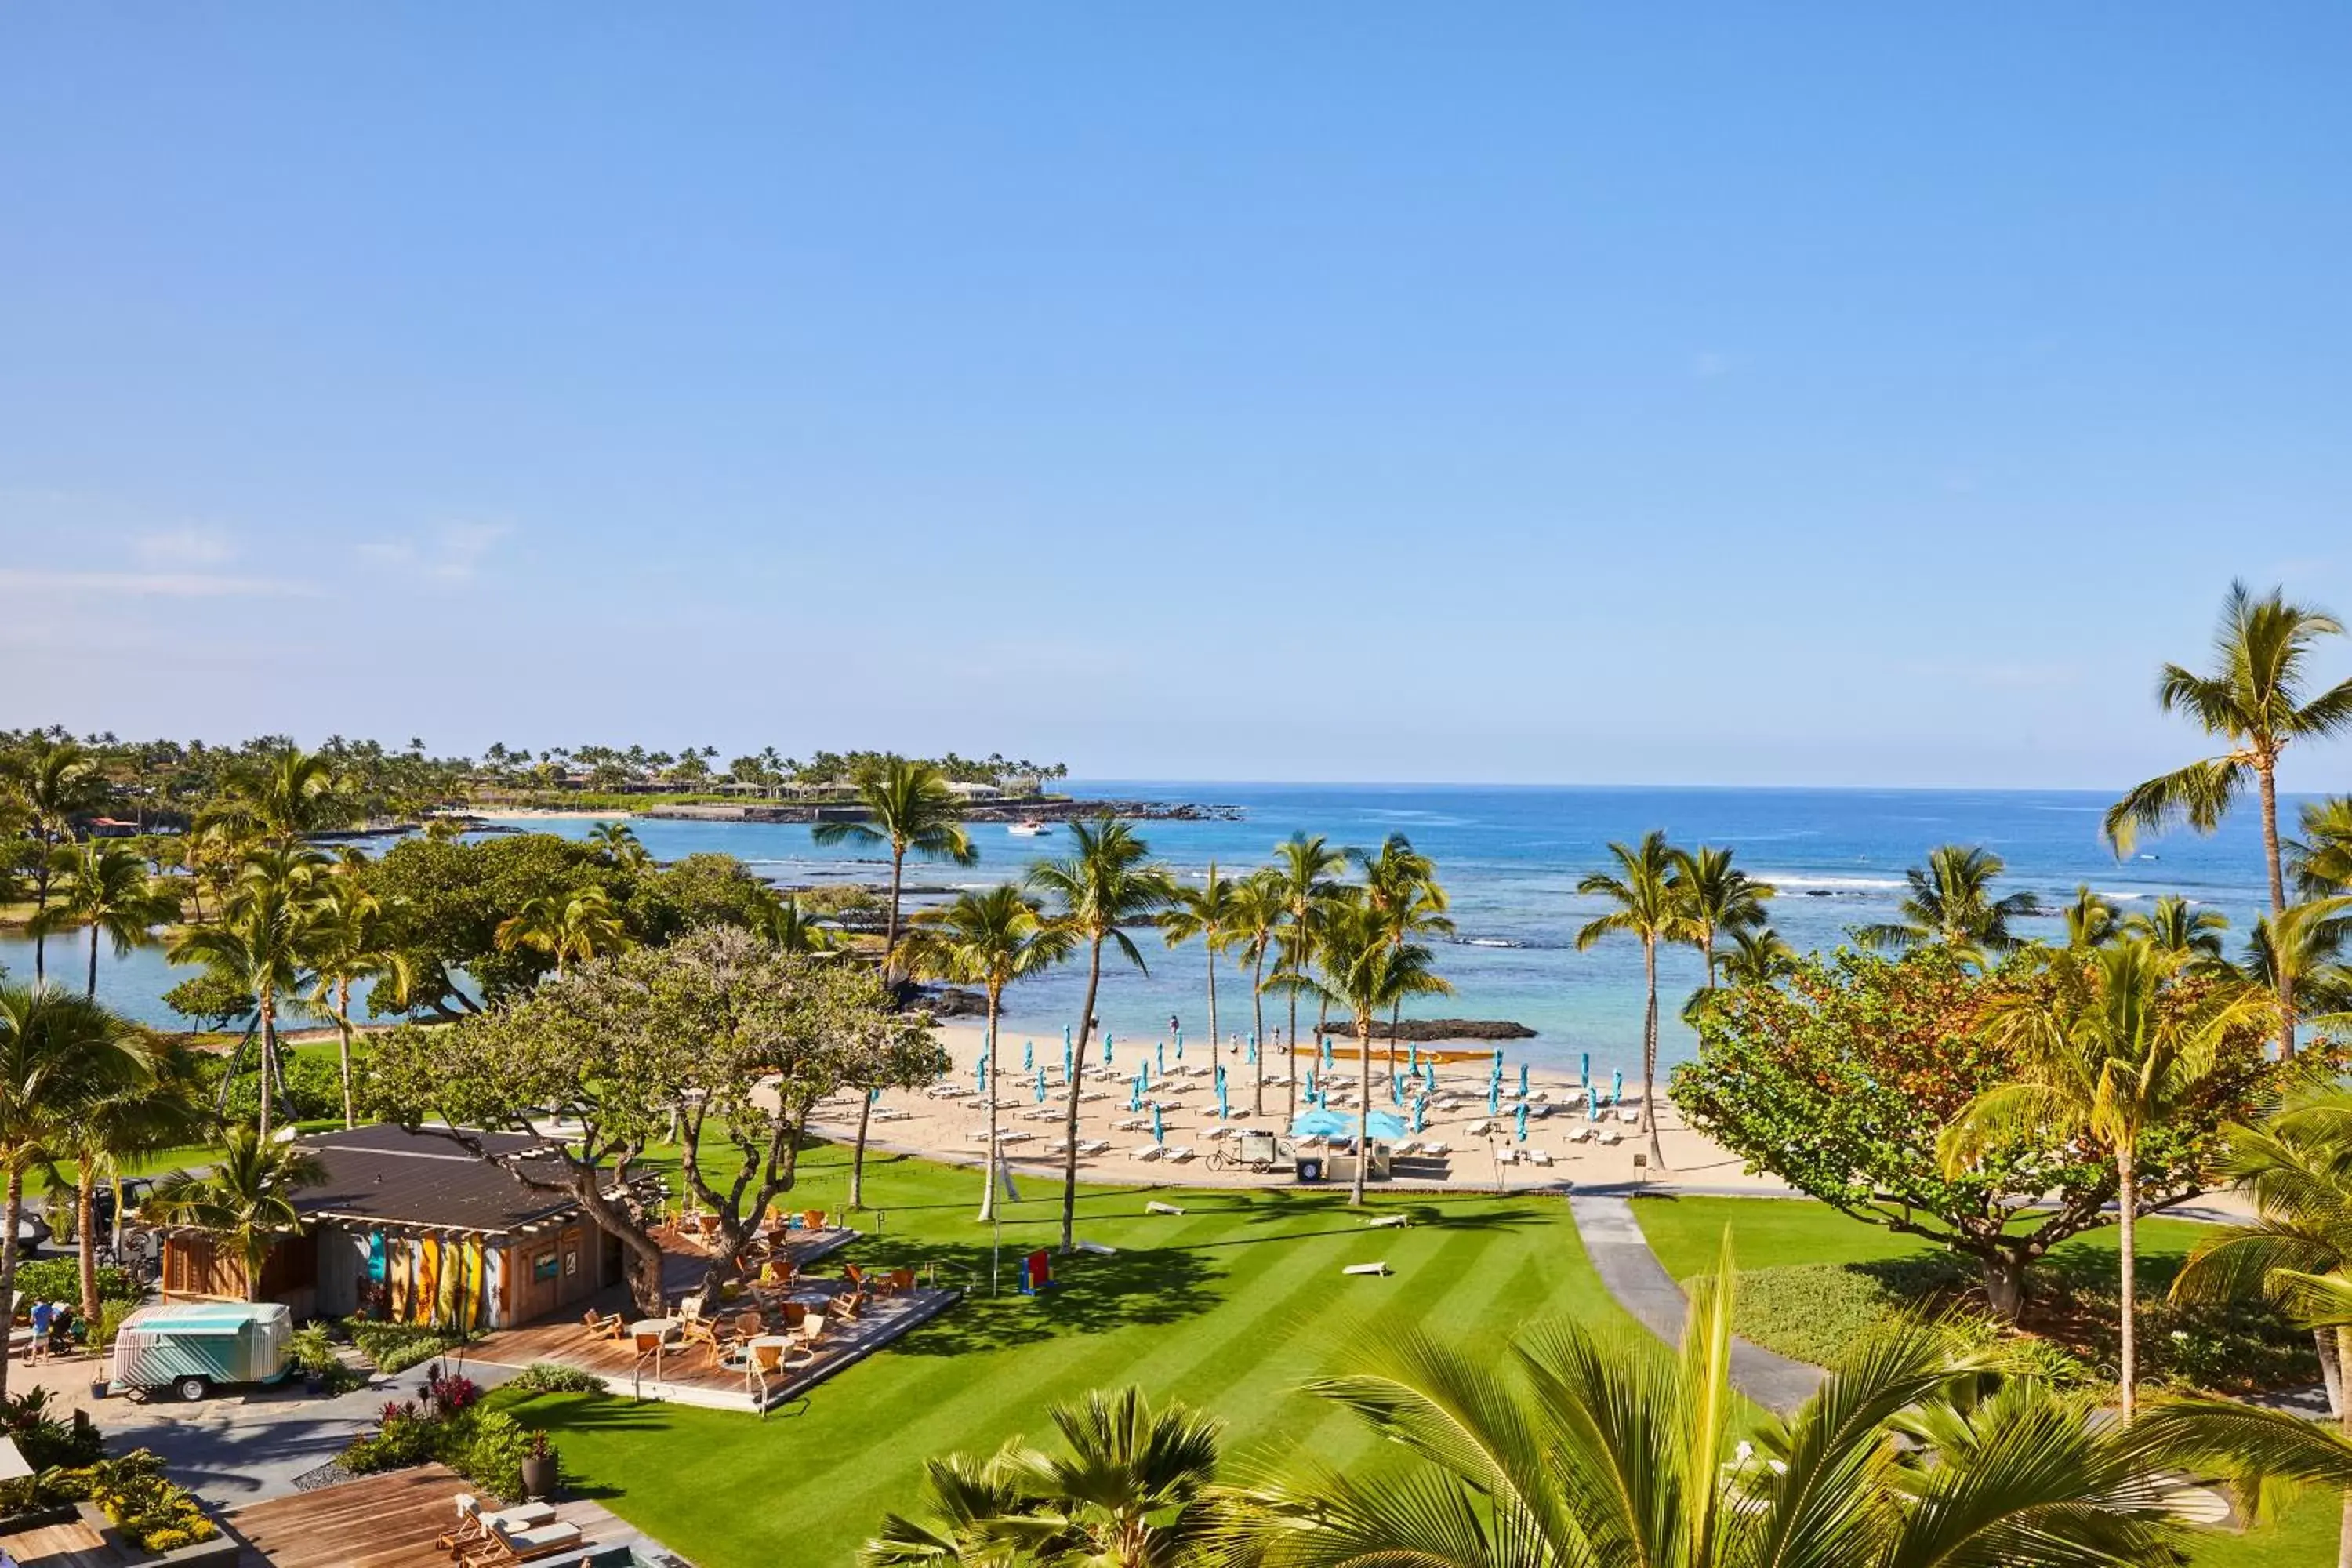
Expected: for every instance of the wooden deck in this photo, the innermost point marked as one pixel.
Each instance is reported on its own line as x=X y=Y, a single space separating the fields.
x=391 y=1521
x=691 y=1375
x=74 y=1545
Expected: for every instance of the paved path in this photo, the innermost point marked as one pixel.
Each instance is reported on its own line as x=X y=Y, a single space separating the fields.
x=1613 y=1239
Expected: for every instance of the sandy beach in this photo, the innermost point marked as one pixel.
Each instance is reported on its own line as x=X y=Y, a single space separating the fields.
x=1480 y=1150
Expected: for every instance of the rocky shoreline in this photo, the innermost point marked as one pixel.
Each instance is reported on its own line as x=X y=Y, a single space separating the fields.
x=1047 y=811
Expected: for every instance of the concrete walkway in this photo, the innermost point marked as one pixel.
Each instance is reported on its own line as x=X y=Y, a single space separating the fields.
x=1620 y=1253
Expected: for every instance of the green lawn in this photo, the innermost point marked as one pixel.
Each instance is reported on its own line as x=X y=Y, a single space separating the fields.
x=1768 y=1233
x=1230 y=1306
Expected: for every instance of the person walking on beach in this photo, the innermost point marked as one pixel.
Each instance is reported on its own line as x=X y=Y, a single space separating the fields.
x=44 y=1318
x=1175 y=1025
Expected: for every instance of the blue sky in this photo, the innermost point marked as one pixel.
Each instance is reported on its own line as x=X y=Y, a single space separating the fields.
x=1830 y=393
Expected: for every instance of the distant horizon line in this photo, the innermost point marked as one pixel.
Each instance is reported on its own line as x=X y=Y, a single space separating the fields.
x=1075 y=783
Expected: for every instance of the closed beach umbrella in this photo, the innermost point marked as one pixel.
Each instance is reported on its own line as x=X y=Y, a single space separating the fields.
x=1584 y=1068
x=1617 y=1087
x=1069 y=1057
x=1411 y=1059
x=1310 y=1085
x=1523 y=1080
x=1158 y=1134
x=1143 y=1072
x=1494 y=1097
x=1028 y=1056
x=1134 y=1095
x=1523 y=1123
x=1179 y=1045
x=1160 y=1051
x=1041 y=1086
x=1420 y=1113
x=980 y=1073
x=1253 y=1045
x=1396 y=1091
x=1591 y=1103
x=1225 y=1106
x=1106 y=1050
x=1326 y=1043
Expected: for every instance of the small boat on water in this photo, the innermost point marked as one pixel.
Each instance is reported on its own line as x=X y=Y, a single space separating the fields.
x=1027 y=829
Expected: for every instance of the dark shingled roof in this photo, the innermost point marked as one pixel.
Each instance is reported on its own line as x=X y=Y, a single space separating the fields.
x=394 y=1176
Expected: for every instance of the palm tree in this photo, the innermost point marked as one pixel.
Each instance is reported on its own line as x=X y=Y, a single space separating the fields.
x=1367 y=971
x=348 y=945
x=260 y=943
x=1758 y=957
x=2110 y=1053
x=2190 y=933
x=152 y=1109
x=53 y=782
x=1595 y=1445
x=617 y=843
x=106 y=887
x=1952 y=902
x=1256 y=920
x=914 y=812
x=1302 y=870
x=2295 y=1168
x=281 y=799
x=575 y=927
x=1106 y=881
x=989 y=940
x=1134 y=1491
x=783 y=922
x=244 y=1199
x=1401 y=886
x=2253 y=700
x=58 y=1054
x=1647 y=908
x=1207 y=912
x=2299 y=952
x=1718 y=902
x=2321 y=860
x=2091 y=919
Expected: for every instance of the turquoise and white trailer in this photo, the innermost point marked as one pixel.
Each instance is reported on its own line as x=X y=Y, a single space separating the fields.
x=194 y=1347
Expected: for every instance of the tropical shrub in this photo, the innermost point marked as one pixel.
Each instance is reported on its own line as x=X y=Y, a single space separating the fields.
x=42 y=1438
x=486 y=1446
x=313 y=1354
x=396 y=1347
x=59 y=1280
x=154 y=1514
x=554 y=1377
x=404 y=1435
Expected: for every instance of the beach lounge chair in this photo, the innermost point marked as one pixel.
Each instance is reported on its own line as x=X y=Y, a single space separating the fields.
x=1156 y=1206
x=1428 y=1148
x=473 y=1524
x=1540 y=1156
x=1058 y=1146
x=501 y=1545
x=1148 y=1151
x=1088 y=1147
x=1179 y=1154
x=602 y=1325
x=1613 y=1137
x=1377 y=1268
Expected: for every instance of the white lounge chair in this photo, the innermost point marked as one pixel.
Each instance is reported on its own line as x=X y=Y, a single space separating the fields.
x=1613 y=1137
x=1179 y=1154
x=1148 y=1151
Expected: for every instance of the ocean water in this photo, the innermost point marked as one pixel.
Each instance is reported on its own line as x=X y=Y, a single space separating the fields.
x=1511 y=857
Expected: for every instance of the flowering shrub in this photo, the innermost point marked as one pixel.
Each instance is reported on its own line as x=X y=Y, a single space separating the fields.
x=154 y=1514
x=451 y=1394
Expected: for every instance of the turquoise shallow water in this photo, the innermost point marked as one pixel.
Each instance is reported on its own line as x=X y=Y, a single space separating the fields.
x=1511 y=858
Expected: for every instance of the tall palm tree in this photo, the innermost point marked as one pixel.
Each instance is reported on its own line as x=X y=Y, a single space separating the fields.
x=348 y=945
x=106 y=888
x=2110 y=1053
x=1595 y=1445
x=989 y=938
x=244 y=1199
x=260 y=943
x=1133 y=1491
x=914 y=813
x=2190 y=932
x=154 y=1108
x=1303 y=868
x=1207 y=912
x=1367 y=971
x=2253 y=700
x=1719 y=900
x=2321 y=860
x=1255 y=922
x=1106 y=881
x=570 y=927
x=792 y=929
x=1401 y=886
x=2299 y=952
x=2295 y=1167
x=1952 y=902
x=1757 y=956
x=52 y=783
x=1647 y=909
x=58 y=1054
x=2091 y=919
x=618 y=843
x=281 y=799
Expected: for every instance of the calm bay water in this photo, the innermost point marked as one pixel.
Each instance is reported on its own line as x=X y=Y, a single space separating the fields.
x=1511 y=858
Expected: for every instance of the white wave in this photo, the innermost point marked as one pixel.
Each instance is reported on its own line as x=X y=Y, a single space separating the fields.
x=1829 y=882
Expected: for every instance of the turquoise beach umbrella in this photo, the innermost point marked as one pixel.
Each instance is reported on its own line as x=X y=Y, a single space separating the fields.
x=1225 y=1106
x=1179 y=1045
x=1028 y=1056
x=1326 y=1043
x=1591 y=1103
x=1160 y=1051
x=1419 y=1115
x=1106 y=1050
x=1159 y=1134
x=1143 y=1072
x=1523 y=1123
x=1494 y=1097
x=980 y=1074
x=1069 y=1057
x=1617 y=1087
x=1584 y=1068
x=1041 y=1086
x=1252 y=1047
x=1134 y=1095
x=1523 y=1080
x=1311 y=1086
x=1396 y=1091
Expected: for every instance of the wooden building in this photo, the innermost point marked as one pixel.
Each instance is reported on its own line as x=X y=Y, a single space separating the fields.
x=409 y=1226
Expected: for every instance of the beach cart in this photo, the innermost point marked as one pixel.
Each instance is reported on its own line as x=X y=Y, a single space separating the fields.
x=1259 y=1151
x=192 y=1348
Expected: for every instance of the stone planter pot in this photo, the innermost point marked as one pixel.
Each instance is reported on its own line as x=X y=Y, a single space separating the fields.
x=538 y=1477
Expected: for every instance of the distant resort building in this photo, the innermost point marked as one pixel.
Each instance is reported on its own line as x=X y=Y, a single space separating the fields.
x=410 y=1228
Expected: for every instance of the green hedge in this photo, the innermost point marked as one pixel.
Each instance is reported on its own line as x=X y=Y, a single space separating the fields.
x=59 y=1280
x=396 y=1347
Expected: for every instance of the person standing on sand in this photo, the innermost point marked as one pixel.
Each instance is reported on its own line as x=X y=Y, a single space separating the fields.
x=1175 y=1026
x=44 y=1317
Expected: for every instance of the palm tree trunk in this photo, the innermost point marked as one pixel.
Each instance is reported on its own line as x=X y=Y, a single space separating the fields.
x=1291 y=1066
x=40 y=926
x=269 y=1047
x=12 y=1213
x=2269 y=778
x=890 y=924
x=1396 y=1017
x=2127 y=1200
x=1211 y=946
x=1070 y=1120
x=85 y=1238
x=988 y=1190
x=1257 y=1018
x=2343 y=1335
x=857 y=1154
x=343 y=1028
x=1364 y=1107
x=1650 y=1054
x=92 y=992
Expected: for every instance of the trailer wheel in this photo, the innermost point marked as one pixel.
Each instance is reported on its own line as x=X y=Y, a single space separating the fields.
x=192 y=1388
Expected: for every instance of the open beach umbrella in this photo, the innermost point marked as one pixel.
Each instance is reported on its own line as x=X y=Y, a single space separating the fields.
x=1494 y=1097
x=1617 y=1087
x=1584 y=1070
x=1523 y=1080
x=1327 y=1123
x=1523 y=1123
x=1159 y=1134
